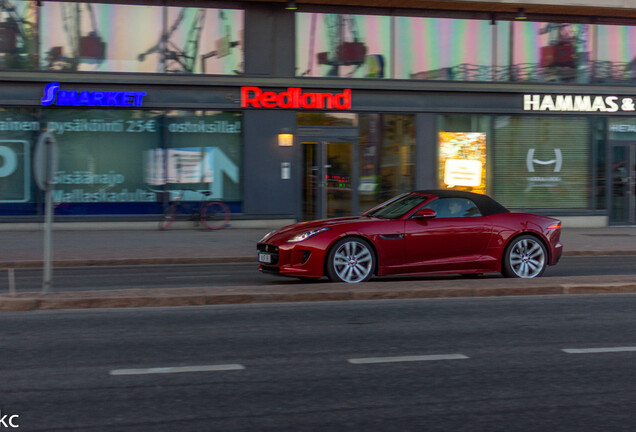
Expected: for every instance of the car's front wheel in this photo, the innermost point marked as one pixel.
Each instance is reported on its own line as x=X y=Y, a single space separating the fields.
x=350 y=260
x=525 y=257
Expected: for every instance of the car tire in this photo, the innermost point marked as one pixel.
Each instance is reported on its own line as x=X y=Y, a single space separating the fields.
x=525 y=257
x=350 y=260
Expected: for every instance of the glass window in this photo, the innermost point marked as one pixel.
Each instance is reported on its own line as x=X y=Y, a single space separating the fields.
x=18 y=35
x=615 y=54
x=341 y=45
x=19 y=130
x=100 y=158
x=129 y=38
x=454 y=207
x=398 y=207
x=308 y=118
x=542 y=162
x=443 y=49
x=387 y=157
x=204 y=153
x=543 y=52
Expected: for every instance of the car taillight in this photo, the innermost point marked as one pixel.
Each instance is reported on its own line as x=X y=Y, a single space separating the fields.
x=555 y=226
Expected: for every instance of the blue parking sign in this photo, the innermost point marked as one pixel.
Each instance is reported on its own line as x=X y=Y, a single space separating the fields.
x=15 y=171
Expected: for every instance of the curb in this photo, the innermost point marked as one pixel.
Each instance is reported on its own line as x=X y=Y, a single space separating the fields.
x=170 y=297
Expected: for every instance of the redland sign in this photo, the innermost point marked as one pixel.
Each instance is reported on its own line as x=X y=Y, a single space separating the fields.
x=294 y=98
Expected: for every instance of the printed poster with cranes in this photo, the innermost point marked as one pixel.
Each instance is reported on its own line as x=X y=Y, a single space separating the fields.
x=342 y=45
x=129 y=38
x=18 y=35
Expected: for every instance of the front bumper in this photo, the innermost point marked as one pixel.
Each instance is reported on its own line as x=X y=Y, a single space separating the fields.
x=290 y=259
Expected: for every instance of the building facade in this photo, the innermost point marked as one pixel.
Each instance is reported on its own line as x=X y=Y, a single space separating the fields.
x=313 y=112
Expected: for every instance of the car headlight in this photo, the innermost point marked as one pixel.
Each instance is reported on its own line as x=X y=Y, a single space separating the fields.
x=304 y=236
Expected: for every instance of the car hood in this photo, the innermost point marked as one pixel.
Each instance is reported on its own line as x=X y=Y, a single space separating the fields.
x=289 y=231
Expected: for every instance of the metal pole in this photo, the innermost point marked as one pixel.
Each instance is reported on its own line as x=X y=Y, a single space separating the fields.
x=11 y=275
x=48 y=221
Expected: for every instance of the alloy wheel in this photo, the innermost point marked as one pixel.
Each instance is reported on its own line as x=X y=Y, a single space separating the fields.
x=353 y=261
x=527 y=258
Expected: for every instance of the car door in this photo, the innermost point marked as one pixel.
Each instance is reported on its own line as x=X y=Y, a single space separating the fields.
x=453 y=240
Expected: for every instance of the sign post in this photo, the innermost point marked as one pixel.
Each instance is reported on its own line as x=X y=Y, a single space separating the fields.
x=45 y=164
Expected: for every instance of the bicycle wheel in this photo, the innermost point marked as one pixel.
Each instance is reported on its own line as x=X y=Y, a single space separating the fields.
x=169 y=216
x=215 y=215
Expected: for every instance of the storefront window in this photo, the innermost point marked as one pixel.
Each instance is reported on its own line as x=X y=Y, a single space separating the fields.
x=19 y=129
x=121 y=161
x=203 y=153
x=387 y=157
x=443 y=49
x=339 y=45
x=100 y=159
x=128 y=38
x=542 y=162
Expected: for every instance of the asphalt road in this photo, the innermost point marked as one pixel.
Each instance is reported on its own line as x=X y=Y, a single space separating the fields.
x=245 y=274
x=483 y=364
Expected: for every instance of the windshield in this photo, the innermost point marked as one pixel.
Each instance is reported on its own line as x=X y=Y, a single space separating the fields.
x=397 y=207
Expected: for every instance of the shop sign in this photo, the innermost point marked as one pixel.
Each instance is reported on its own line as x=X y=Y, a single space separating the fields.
x=622 y=128
x=294 y=98
x=578 y=103
x=462 y=172
x=462 y=160
x=54 y=95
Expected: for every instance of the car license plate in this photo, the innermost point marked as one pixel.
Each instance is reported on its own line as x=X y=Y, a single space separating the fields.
x=264 y=258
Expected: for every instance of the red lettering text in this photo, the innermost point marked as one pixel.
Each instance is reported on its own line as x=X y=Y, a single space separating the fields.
x=294 y=98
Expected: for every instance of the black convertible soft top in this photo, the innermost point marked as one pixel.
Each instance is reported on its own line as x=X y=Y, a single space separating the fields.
x=487 y=206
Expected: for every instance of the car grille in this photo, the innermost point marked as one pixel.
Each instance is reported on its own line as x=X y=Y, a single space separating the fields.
x=264 y=247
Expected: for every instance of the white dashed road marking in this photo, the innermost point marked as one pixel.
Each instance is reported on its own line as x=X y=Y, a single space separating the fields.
x=371 y=360
x=598 y=350
x=178 y=369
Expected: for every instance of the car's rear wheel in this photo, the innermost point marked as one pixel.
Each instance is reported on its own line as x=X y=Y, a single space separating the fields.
x=350 y=260
x=525 y=257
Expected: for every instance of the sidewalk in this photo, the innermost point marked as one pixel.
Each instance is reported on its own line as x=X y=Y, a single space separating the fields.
x=141 y=246
x=150 y=246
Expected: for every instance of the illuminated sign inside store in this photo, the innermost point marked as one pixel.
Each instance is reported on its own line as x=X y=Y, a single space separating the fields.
x=294 y=98
x=462 y=160
x=54 y=95
x=578 y=103
x=461 y=172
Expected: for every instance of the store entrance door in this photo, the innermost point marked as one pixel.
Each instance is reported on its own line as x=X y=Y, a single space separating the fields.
x=622 y=181
x=329 y=172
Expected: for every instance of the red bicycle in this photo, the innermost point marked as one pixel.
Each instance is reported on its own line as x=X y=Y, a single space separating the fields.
x=213 y=214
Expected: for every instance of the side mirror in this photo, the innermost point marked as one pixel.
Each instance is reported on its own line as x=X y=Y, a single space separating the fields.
x=425 y=213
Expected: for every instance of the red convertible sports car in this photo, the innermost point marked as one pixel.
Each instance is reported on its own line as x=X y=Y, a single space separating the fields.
x=431 y=231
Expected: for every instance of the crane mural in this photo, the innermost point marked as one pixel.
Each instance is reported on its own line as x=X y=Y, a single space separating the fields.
x=344 y=49
x=18 y=35
x=80 y=48
x=182 y=57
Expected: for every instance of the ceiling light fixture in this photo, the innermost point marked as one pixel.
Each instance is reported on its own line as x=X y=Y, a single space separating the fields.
x=291 y=5
x=521 y=15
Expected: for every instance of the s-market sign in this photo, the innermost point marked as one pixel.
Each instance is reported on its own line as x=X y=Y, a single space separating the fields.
x=578 y=103
x=54 y=95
